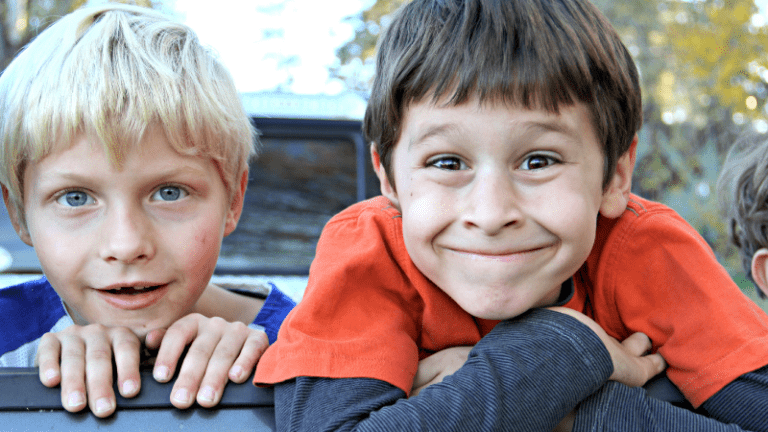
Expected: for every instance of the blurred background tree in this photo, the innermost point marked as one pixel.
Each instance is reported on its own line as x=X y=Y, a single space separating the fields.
x=22 y=20
x=704 y=69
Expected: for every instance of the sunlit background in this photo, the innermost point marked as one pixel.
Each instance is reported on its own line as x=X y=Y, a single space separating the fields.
x=703 y=64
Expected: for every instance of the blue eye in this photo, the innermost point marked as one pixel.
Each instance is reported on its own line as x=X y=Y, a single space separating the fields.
x=169 y=193
x=75 y=199
x=538 y=161
x=450 y=163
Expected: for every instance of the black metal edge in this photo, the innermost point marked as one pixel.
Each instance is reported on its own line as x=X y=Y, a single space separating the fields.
x=22 y=390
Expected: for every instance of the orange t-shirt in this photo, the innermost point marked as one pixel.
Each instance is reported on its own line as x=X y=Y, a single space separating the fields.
x=650 y=271
x=368 y=312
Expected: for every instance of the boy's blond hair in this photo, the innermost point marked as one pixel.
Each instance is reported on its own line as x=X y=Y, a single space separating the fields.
x=112 y=72
x=743 y=193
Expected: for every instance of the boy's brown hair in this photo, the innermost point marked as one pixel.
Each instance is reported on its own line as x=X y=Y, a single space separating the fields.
x=743 y=193
x=537 y=54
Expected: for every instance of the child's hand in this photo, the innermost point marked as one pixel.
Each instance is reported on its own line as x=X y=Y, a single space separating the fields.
x=219 y=350
x=80 y=358
x=439 y=365
x=632 y=365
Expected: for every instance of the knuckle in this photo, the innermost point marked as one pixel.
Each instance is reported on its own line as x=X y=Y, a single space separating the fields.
x=99 y=353
x=94 y=329
x=196 y=350
x=227 y=351
x=127 y=344
x=49 y=338
x=262 y=337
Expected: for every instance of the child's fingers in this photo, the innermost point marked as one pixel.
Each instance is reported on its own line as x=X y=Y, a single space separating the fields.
x=219 y=363
x=174 y=340
x=194 y=366
x=641 y=369
x=652 y=364
x=73 y=396
x=648 y=365
x=255 y=345
x=48 y=356
x=439 y=365
x=637 y=344
x=154 y=338
x=126 y=347
x=98 y=370
x=631 y=367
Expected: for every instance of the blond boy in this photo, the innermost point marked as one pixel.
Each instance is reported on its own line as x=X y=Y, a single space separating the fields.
x=124 y=155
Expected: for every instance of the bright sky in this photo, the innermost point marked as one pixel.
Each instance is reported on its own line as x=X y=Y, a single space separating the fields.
x=312 y=31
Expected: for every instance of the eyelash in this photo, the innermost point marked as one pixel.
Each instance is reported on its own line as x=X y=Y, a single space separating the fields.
x=454 y=160
x=551 y=160
x=184 y=192
x=63 y=194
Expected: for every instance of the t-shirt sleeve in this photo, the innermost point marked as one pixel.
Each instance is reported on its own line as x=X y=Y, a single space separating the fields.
x=273 y=312
x=660 y=277
x=357 y=318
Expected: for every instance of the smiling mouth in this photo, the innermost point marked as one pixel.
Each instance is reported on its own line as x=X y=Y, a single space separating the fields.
x=503 y=256
x=133 y=290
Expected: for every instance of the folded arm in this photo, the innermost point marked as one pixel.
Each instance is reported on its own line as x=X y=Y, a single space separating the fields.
x=529 y=372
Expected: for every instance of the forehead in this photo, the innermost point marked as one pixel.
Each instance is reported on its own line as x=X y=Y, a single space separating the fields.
x=426 y=119
x=87 y=154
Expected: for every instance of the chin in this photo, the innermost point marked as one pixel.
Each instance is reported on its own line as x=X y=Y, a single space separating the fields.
x=493 y=312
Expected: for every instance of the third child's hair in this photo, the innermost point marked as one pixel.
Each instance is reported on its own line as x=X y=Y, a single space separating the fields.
x=743 y=192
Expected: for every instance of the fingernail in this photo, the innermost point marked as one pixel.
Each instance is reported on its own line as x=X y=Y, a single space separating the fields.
x=206 y=394
x=161 y=373
x=182 y=395
x=76 y=399
x=103 y=405
x=50 y=374
x=237 y=372
x=130 y=387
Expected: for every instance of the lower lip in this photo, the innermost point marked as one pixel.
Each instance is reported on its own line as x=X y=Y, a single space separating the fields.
x=134 y=301
x=513 y=257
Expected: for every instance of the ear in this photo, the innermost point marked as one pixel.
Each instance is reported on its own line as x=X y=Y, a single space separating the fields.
x=387 y=189
x=236 y=205
x=616 y=194
x=17 y=220
x=760 y=269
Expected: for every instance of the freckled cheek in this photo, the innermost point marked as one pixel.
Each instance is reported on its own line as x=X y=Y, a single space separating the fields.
x=197 y=245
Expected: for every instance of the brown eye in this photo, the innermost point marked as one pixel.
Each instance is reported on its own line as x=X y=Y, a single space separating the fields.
x=450 y=163
x=537 y=161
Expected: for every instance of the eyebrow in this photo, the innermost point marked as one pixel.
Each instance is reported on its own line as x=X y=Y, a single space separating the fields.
x=434 y=130
x=158 y=176
x=556 y=125
x=537 y=127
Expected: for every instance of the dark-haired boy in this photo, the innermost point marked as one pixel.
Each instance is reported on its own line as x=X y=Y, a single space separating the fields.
x=504 y=137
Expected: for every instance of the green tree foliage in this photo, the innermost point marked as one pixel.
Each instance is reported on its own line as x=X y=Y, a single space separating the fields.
x=704 y=69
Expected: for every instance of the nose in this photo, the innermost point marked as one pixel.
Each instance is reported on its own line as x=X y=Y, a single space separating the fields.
x=127 y=235
x=492 y=204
